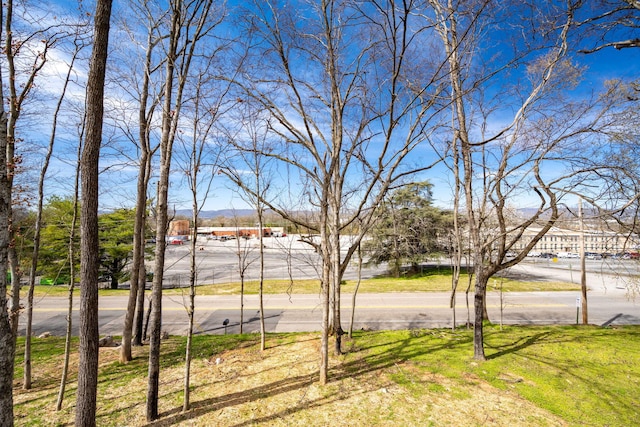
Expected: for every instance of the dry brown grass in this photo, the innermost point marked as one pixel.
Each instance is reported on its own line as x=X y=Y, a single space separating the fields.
x=278 y=387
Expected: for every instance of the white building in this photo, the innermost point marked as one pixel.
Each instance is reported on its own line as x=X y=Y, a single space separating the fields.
x=566 y=240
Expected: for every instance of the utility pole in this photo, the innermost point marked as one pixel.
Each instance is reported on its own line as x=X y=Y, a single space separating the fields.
x=583 y=269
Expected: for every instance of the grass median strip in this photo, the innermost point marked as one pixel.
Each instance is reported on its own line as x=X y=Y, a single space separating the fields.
x=433 y=279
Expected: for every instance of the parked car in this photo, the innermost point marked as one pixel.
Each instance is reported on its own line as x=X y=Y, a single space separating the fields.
x=592 y=255
x=176 y=241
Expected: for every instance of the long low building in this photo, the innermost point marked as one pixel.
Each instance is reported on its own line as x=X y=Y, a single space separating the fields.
x=565 y=240
x=251 y=232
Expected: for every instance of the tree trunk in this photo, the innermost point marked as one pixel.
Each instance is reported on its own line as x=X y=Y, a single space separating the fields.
x=261 y=279
x=89 y=250
x=114 y=281
x=162 y=220
x=139 y=330
x=479 y=309
x=187 y=364
x=26 y=375
x=67 y=346
x=9 y=310
x=134 y=283
x=324 y=340
x=7 y=337
x=37 y=232
x=138 y=275
x=355 y=292
x=192 y=305
x=14 y=268
x=241 y=269
x=132 y=329
x=193 y=276
x=336 y=281
x=72 y=280
x=325 y=289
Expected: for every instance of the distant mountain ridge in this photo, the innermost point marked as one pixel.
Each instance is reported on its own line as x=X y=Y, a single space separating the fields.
x=231 y=213
x=208 y=214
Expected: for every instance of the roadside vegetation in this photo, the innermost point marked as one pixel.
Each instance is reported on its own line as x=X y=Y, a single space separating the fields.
x=533 y=376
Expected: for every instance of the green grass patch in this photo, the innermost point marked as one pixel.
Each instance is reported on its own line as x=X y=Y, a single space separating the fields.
x=439 y=280
x=538 y=375
x=578 y=375
x=584 y=375
x=430 y=279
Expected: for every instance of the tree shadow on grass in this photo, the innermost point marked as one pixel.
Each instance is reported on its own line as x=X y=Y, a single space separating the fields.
x=202 y=407
x=371 y=358
x=583 y=372
x=517 y=346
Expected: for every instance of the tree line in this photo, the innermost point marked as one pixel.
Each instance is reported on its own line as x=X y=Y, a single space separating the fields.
x=327 y=113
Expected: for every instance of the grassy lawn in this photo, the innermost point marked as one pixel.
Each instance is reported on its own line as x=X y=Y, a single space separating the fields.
x=435 y=279
x=533 y=376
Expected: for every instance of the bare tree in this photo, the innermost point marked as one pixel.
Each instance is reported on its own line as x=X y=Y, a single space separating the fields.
x=148 y=98
x=7 y=336
x=458 y=247
x=78 y=46
x=610 y=23
x=89 y=251
x=26 y=52
x=616 y=23
x=610 y=186
x=198 y=158
x=189 y=24
x=245 y=258
x=72 y=279
x=507 y=163
x=344 y=95
x=250 y=141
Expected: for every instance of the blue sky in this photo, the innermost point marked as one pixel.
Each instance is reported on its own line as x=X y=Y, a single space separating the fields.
x=606 y=64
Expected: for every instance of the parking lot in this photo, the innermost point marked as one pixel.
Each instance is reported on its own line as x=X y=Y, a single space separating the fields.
x=218 y=261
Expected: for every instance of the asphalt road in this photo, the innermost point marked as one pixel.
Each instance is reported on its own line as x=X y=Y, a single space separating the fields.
x=373 y=311
x=612 y=297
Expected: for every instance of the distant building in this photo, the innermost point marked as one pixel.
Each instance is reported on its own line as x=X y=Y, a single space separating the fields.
x=251 y=232
x=565 y=240
x=179 y=227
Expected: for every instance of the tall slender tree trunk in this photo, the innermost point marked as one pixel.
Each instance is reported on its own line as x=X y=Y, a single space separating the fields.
x=325 y=289
x=138 y=272
x=89 y=251
x=162 y=220
x=72 y=280
x=132 y=329
x=261 y=278
x=7 y=337
x=457 y=246
x=9 y=165
x=355 y=292
x=26 y=384
x=192 y=301
x=7 y=333
x=324 y=340
x=241 y=269
x=336 y=279
x=139 y=329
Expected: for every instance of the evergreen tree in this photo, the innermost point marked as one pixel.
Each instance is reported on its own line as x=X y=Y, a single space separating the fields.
x=409 y=229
